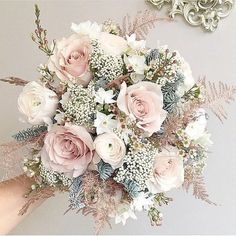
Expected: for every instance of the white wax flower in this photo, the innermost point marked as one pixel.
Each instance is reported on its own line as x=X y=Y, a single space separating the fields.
x=104 y=123
x=189 y=81
x=102 y=96
x=197 y=128
x=124 y=212
x=137 y=63
x=142 y=202
x=37 y=103
x=88 y=28
x=65 y=98
x=135 y=44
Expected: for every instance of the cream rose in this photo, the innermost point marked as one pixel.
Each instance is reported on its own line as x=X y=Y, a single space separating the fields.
x=113 y=44
x=37 y=103
x=70 y=60
x=143 y=102
x=110 y=148
x=67 y=149
x=168 y=171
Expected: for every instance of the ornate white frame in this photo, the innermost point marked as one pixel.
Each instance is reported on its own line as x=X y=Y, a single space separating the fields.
x=205 y=13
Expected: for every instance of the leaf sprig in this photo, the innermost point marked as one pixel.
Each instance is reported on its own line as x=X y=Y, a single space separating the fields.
x=15 y=81
x=40 y=35
x=141 y=24
x=216 y=95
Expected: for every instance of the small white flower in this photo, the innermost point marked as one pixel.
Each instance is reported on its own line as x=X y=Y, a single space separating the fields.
x=204 y=140
x=125 y=133
x=88 y=28
x=60 y=118
x=196 y=129
x=135 y=44
x=102 y=96
x=123 y=213
x=136 y=77
x=137 y=63
x=142 y=202
x=65 y=98
x=104 y=123
x=188 y=76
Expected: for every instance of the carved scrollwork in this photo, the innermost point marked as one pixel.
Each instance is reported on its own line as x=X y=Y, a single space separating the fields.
x=205 y=13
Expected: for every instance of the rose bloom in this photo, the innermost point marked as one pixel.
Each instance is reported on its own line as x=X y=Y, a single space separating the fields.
x=67 y=149
x=110 y=148
x=70 y=60
x=168 y=171
x=37 y=103
x=143 y=102
x=113 y=44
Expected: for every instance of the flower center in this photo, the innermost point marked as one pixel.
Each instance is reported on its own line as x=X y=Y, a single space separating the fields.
x=76 y=55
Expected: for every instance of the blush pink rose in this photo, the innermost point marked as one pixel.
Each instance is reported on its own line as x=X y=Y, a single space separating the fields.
x=67 y=149
x=168 y=172
x=143 y=102
x=70 y=60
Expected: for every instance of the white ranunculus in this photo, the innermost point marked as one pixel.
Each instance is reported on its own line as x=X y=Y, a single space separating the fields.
x=87 y=28
x=168 y=171
x=37 y=103
x=137 y=63
x=110 y=148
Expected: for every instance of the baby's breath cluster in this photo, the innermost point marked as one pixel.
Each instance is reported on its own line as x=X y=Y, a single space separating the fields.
x=137 y=165
x=54 y=178
x=105 y=66
x=80 y=107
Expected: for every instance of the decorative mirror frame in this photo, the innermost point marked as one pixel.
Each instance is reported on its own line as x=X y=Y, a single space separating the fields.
x=205 y=13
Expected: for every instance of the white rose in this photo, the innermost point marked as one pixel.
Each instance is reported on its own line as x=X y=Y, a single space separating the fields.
x=37 y=103
x=110 y=149
x=168 y=171
x=112 y=44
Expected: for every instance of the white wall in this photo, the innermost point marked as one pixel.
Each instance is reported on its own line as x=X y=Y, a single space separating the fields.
x=210 y=54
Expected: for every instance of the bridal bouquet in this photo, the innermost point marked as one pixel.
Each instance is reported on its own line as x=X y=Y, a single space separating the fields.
x=114 y=123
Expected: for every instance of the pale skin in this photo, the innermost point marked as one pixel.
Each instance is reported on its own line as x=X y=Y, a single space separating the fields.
x=11 y=201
